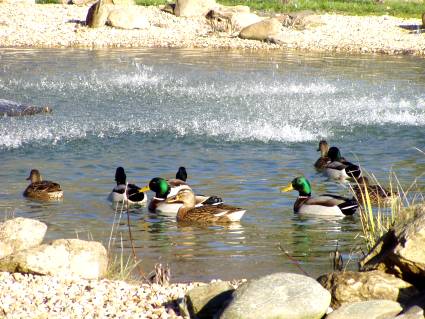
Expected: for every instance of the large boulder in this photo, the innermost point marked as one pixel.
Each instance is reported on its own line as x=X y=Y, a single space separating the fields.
x=350 y=286
x=401 y=250
x=194 y=8
x=19 y=234
x=61 y=258
x=243 y=19
x=127 y=17
x=98 y=13
x=261 y=31
x=372 y=309
x=207 y=300
x=280 y=295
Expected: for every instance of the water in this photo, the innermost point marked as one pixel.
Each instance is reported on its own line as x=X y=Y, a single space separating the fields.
x=242 y=123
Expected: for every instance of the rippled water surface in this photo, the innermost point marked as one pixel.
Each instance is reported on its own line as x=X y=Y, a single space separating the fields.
x=242 y=123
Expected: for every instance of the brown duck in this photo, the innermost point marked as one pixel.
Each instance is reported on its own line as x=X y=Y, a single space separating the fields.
x=206 y=213
x=42 y=190
x=377 y=194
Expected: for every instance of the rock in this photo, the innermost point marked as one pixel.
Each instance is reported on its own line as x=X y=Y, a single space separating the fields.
x=349 y=286
x=11 y=108
x=401 y=250
x=168 y=7
x=372 y=309
x=194 y=8
x=262 y=30
x=62 y=258
x=98 y=14
x=124 y=2
x=19 y=234
x=242 y=20
x=79 y=2
x=414 y=312
x=206 y=301
x=280 y=295
x=128 y=17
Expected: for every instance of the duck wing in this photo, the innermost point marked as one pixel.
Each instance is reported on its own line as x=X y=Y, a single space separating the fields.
x=45 y=187
x=212 y=213
x=336 y=165
x=348 y=206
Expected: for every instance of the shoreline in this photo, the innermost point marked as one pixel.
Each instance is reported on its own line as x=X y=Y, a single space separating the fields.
x=63 y=26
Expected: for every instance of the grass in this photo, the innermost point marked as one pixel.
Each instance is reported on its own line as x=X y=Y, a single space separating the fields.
x=399 y=8
x=377 y=221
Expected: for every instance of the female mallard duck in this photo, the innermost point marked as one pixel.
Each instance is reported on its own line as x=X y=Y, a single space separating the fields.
x=322 y=205
x=377 y=194
x=167 y=188
x=126 y=193
x=339 y=168
x=42 y=190
x=323 y=159
x=188 y=212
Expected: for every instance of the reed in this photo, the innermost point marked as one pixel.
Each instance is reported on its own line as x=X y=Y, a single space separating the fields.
x=377 y=220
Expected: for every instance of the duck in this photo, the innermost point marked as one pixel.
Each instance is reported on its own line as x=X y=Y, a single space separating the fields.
x=323 y=205
x=165 y=189
x=42 y=190
x=377 y=194
x=205 y=214
x=324 y=159
x=339 y=168
x=126 y=193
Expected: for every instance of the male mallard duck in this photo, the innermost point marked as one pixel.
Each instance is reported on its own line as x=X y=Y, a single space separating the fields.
x=322 y=205
x=377 y=194
x=167 y=188
x=43 y=190
x=124 y=192
x=188 y=212
x=339 y=168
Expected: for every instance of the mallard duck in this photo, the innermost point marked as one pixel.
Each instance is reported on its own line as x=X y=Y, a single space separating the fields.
x=339 y=168
x=323 y=205
x=377 y=194
x=323 y=159
x=188 y=212
x=167 y=188
x=42 y=190
x=124 y=192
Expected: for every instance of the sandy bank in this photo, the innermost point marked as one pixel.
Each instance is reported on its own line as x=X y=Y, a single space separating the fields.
x=47 y=26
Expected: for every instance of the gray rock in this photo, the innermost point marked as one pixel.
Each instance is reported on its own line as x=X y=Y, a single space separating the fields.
x=401 y=250
x=280 y=295
x=350 y=286
x=19 y=234
x=11 y=108
x=194 y=8
x=242 y=20
x=206 y=301
x=61 y=258
x=262 y=30
x=372 y=309
x=127 y=17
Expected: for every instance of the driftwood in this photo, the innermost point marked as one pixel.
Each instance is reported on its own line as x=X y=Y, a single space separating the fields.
x=11 y=108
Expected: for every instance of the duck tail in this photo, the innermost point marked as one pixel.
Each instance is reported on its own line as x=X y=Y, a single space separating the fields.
x=134 y=195
x=349 y=206
x=353 y=171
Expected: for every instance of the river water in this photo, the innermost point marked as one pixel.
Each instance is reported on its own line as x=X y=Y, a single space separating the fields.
x=242 y=123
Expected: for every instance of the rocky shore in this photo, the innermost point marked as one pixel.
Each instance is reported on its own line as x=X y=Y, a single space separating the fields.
x=63 y=26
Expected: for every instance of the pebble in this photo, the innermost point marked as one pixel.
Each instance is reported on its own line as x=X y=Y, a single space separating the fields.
x=54 y=26
x=32 y=296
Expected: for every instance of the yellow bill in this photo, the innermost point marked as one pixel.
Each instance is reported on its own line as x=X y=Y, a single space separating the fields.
x=287 y=188
x=144 y=189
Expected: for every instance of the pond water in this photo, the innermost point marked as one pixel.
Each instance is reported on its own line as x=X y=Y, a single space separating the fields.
x=242 y=123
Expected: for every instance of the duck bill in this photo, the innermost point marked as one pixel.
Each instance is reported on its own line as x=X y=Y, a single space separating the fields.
x=287 y=188
x=144 y=189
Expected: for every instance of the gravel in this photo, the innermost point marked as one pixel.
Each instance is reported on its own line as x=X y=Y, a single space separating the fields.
x=55 y=25
x=31 y=296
